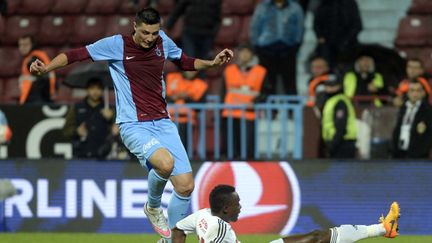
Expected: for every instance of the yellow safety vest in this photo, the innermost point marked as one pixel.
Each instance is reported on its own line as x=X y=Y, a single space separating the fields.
x=328 y=126
x=350 y=85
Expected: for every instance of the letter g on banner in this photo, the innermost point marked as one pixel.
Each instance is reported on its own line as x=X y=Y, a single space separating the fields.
x=54 y=121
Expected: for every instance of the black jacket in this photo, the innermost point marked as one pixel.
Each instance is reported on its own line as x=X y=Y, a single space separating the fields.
x=94 y=146
x=339 y=22
x=201 y=17
x=421 y=139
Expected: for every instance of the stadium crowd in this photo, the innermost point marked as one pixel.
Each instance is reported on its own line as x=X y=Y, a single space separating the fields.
x=346 y=76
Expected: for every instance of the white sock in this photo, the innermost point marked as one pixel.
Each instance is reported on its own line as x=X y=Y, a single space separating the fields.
x=277 y=241
x=353 y=233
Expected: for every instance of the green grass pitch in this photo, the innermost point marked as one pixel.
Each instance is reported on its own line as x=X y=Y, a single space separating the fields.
x=135 y=238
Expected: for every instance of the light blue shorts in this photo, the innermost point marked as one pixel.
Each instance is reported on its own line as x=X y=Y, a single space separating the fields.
x=144 y=138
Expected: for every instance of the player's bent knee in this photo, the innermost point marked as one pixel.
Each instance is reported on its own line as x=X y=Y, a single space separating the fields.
x=186 y=189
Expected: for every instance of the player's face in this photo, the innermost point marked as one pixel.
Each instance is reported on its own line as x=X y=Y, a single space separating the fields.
x=233 y=210
x=146 y=34
x=24 y=45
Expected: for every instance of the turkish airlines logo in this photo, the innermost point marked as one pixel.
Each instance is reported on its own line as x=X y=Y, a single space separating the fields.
x=269 y=194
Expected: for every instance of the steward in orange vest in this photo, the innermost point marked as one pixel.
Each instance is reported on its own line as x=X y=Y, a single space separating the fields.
x=34 y=89
x=184 y=88
x=320 y=73
x=243 y=83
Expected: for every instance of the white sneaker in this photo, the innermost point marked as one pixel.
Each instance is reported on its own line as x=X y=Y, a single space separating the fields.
x=158 y=221
x=162 y=240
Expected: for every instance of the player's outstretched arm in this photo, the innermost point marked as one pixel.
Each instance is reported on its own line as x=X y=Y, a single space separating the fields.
x=223 y=57
x=39 y=68
x=178 y=235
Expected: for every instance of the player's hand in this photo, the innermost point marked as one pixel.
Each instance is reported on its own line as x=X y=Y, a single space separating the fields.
x=223 y=57
x=38 y=67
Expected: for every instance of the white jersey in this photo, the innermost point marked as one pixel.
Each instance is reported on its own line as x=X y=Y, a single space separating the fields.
x=209 y=228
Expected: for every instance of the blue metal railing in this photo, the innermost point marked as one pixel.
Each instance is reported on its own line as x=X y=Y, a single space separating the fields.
x=279 y=111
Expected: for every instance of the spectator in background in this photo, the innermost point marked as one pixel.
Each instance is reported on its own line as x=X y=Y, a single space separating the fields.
x=336 y=24
x=201 y=23
x=415 y=73
x=364 y=80
x=243 y=83
x=34 y=89
x=276 y=32
x=412 y=136
x=338 y=126
x=320 y=71
x=183 y=88
x=5 y=131
x=3 y=8
x=90 y=125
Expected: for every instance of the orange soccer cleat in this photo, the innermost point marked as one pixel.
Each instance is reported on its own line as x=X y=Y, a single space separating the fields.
x=390 y=222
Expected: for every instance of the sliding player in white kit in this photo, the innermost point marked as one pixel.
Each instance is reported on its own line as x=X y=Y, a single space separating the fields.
x=212 y=225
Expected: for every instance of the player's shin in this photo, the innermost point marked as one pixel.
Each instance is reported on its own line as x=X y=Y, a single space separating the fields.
x=353 y=233
x=177 y=208
x=156 y=185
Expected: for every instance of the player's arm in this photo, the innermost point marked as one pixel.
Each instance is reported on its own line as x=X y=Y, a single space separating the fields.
x=61 y=60
x=178 y=235
x=223 y=57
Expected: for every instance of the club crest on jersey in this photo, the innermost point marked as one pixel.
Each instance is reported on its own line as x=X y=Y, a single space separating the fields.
x=266 y=208
x=158 y=51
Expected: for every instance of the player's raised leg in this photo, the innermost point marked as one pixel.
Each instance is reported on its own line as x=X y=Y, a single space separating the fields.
x=162 y=165
x=180 y=200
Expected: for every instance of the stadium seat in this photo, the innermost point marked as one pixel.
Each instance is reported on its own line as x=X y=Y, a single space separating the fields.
x=2 y=25
x=12 y=6
x=176 y=31
x=50 y=51
x=55 y=31
x=240 y=7
x=126 y=7
x=215 y=85
x=424 y=54
x=102 y=6
x=10 y=62
x=11 y=89
x=165 y=7
x=68 y=6
x=420 y=7
x=35 y=7
x=88 y=29
x=64 y=94
x=243 y=37
x=17 y=26
x=414 y=31
x=119 y=25
x=228 y=31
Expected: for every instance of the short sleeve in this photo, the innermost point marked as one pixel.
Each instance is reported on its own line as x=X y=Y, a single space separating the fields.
x=188 y=224
x=171 y=50
x=106 y=49
x=218 y=233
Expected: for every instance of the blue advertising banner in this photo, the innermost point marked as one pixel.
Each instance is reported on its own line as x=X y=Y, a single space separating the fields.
x=276 y=197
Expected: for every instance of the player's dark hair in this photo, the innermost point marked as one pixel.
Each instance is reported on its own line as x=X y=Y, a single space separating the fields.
x=148 y=16
x=220 y=196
